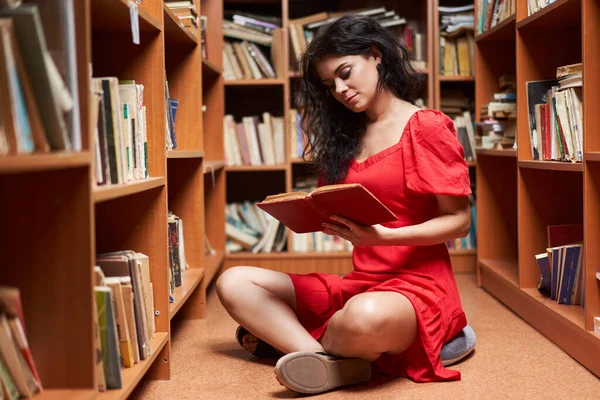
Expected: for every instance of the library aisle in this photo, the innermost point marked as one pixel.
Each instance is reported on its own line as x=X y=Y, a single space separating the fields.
x=511 y=360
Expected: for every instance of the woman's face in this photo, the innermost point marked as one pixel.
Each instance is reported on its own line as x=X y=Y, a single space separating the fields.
x=352 y=80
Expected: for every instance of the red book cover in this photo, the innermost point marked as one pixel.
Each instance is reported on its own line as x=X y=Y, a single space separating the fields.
x=305 y=212
x=561 y=235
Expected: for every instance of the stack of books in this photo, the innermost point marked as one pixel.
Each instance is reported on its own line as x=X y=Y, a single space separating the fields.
x=302 y=31
x=252 y=142
x=186 y=12
x=555 y=112
x=119 y=118
x=39 y=106
x=18 y=374
x=248 y=228
x=491 y=13
x=457 y=42
x=561 y=266
x=124 y=316
x=498 y=118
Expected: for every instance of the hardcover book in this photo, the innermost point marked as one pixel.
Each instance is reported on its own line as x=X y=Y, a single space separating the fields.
x=306 y=212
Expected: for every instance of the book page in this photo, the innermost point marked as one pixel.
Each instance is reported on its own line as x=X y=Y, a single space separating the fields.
x=285 y=196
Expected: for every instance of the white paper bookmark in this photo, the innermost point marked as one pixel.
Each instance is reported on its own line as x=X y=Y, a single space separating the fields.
x=135 y=22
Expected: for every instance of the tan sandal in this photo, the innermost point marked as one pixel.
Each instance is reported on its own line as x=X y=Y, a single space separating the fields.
x=310 y=373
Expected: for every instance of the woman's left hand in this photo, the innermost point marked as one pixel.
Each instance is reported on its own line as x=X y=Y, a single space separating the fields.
x=357 y=234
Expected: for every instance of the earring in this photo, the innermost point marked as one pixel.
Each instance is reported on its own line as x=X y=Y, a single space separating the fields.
x=379 y=66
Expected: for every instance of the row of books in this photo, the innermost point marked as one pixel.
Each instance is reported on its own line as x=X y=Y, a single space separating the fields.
x=491 y=12
x=245 y=60
x=457 y=41
x=534 y=6
x=186 y=12
x=561 y=265
x=18 y=374
x=177 y=260
x=121 y=140
x=252 y=142
x=498 y=118
x=38 y=79
x=125 y=327
x=555 y=113
x=302 y=30
x=252 y=28
x=248 y=228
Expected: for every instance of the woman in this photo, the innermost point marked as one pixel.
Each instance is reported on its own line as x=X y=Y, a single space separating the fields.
x=400 y=304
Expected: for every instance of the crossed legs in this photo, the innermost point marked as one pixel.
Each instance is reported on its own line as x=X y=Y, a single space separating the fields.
x=370 y=324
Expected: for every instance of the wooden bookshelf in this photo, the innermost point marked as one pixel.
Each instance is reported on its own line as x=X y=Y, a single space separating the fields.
x=185 y=154
x=214 y=165
x=109 y=192
x=191 y=278
x=61 y=219
x=210 y=68
x=43 y=162
x=514 y=209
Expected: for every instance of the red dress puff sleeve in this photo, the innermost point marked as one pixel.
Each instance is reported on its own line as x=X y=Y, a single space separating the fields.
x=433 y=157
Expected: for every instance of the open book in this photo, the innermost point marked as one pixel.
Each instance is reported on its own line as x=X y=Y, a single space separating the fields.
x=305 y=212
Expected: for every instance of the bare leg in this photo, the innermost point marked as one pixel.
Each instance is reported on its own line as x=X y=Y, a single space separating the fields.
x=371 y=324
x=264 y=302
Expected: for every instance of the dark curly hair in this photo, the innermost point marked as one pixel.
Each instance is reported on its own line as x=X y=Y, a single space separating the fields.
x=333 y=131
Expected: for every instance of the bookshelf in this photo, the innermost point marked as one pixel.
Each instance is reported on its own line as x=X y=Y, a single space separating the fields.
x=512 y=188
x=61 y=219
x=276 y=95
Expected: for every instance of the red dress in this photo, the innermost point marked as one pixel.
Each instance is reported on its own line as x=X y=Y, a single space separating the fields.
x=427 y=160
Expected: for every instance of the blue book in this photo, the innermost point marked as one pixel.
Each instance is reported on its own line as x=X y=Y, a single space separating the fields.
x=544 y=266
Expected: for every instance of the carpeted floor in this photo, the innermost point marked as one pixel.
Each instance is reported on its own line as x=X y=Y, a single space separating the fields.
x=512 y=360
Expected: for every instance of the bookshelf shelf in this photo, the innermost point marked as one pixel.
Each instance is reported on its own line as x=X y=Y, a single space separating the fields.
x=210 y=68
x=450 y=78
x=503 y=31
x=213 y=165
x=43 y=162
x=132 y=376
x=190 y=279
x=574 y=314
x=591 y=156
x=173 y=154
x=250 y=168
x=113 y=15
x=175 y=32
x=558 y=14
x=110 y=192
x=551 y=165
x=507 y=269
x=294 y=74
x=61 y=394
x=497 y=153
x=472 y=163
x=255 y=82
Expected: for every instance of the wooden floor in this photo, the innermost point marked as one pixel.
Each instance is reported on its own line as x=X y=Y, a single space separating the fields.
x=512 y=360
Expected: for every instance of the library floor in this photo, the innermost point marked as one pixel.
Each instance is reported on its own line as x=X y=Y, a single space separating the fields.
x=512 y=360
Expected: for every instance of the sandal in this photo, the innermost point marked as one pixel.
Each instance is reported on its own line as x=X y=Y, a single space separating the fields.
x=311 y=373
x=254 y=345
